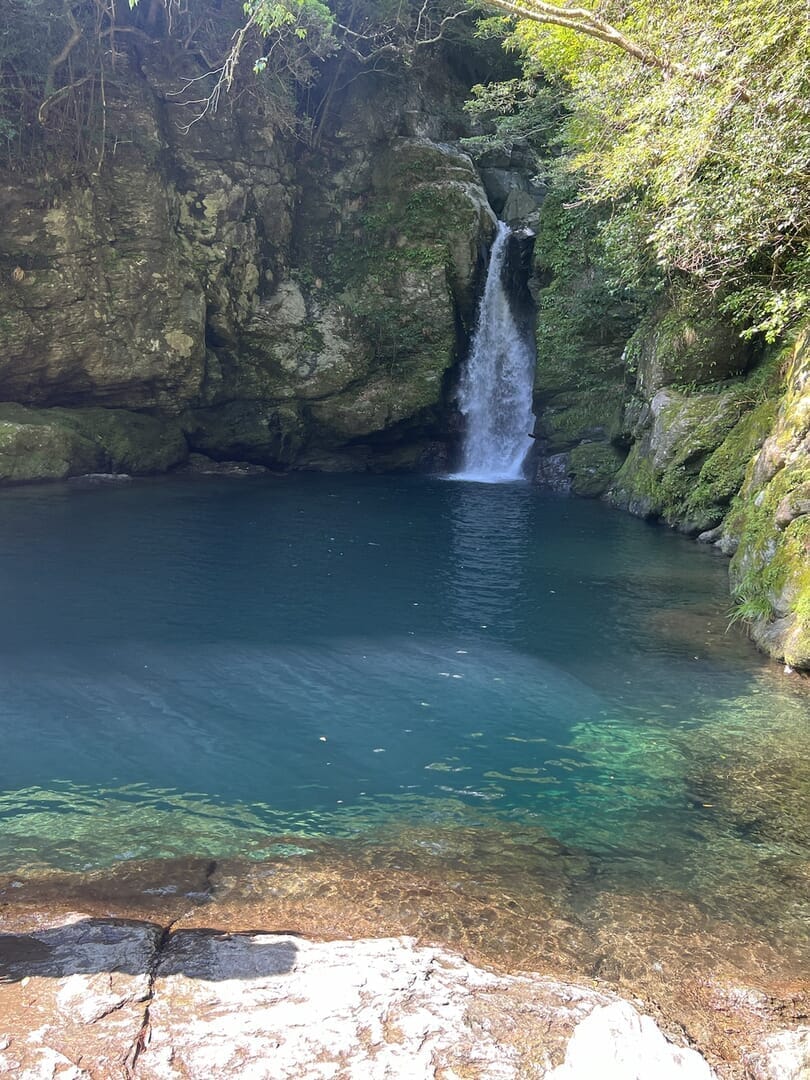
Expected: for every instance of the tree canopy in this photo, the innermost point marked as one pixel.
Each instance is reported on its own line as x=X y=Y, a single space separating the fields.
x=689 y=121
x=697 y=135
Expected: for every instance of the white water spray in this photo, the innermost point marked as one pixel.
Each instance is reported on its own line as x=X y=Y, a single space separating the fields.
x=495 y=395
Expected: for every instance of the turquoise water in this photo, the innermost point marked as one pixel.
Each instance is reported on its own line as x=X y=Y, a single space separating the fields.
x=201 y=666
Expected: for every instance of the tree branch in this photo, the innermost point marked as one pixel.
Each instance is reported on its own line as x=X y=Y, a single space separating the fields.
x=586 y=22
x=60 y=93
x=69 y=46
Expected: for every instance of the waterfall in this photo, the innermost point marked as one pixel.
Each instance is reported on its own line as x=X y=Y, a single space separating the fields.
x=495 y=395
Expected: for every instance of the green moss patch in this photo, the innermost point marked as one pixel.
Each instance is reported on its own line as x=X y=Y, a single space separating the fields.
x=52 y=444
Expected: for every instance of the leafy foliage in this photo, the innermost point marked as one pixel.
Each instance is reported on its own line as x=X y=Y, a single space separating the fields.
x=707 y=161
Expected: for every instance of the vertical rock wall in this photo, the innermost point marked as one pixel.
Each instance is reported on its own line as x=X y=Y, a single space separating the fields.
x=254 y=296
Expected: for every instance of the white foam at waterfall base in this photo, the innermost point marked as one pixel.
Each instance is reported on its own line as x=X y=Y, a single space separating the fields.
x=495 y=394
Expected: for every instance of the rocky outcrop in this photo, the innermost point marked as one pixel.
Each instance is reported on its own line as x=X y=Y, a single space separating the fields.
x=293 y=306
x=769 y=524
x=509 y=170
x=672 y=465
x=90 y=997
x=99 y=304
x=53 y=444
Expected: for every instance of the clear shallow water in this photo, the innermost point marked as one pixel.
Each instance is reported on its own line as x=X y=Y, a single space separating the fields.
x=201 y=667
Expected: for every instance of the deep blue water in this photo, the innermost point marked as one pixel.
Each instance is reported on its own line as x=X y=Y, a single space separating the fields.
x=195 y=666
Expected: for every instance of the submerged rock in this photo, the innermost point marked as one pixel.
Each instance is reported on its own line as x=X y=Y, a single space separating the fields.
x=100 y=479
x=200 y=465
x=785 y=1056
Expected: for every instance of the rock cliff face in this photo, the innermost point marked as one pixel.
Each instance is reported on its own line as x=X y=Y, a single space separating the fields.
x=769 y=524
x=228 y=291
x=672 y=417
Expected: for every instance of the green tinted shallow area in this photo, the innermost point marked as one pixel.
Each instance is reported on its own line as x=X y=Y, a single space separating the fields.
x=427 y=676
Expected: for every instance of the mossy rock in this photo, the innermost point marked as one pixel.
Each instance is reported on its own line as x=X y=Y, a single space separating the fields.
x=364 y=334
x=388 y=399
x=770 y=574
x=685 y=344
x=662 y=469
x=255 y=431
x=52 y=444
x=36 y=446
x=723 y=472
x=582 y=327
x=770 y=571
x=592 y=467
x=133 y=443
x=299 y=344
x=591 y=415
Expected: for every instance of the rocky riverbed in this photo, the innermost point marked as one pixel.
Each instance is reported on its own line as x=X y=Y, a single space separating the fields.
x=190 y=969
x=87 y=997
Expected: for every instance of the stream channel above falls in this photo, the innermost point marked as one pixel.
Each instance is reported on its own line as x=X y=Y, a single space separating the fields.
x=524 y=712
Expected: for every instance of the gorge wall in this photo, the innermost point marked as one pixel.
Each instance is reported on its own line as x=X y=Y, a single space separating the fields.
x=671 y=416
x=227 y=289
x=231 y=291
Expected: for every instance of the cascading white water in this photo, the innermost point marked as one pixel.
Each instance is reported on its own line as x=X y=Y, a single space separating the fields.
x=495 y=395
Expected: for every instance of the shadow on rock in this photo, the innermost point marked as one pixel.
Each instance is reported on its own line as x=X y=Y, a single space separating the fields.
x=136 y=947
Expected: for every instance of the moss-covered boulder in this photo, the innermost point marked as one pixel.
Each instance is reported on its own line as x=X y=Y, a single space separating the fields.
x=685 y=343
x=691 y=440
x=770 y=524
x=678 y=434
x=35 y=446
x=723 y=471
x=592 y=467
x=53 y=444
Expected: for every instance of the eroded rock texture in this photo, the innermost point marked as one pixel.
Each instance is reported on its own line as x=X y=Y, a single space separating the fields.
x=100 y=998
x=271 y=301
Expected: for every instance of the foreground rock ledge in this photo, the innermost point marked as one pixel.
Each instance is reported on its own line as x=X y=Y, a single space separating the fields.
x=100 y=998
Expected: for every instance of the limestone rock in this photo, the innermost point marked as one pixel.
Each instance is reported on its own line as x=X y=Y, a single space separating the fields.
x=275 y=1006
x=84 y=997
x=784 y=1056
x=616 y=1043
